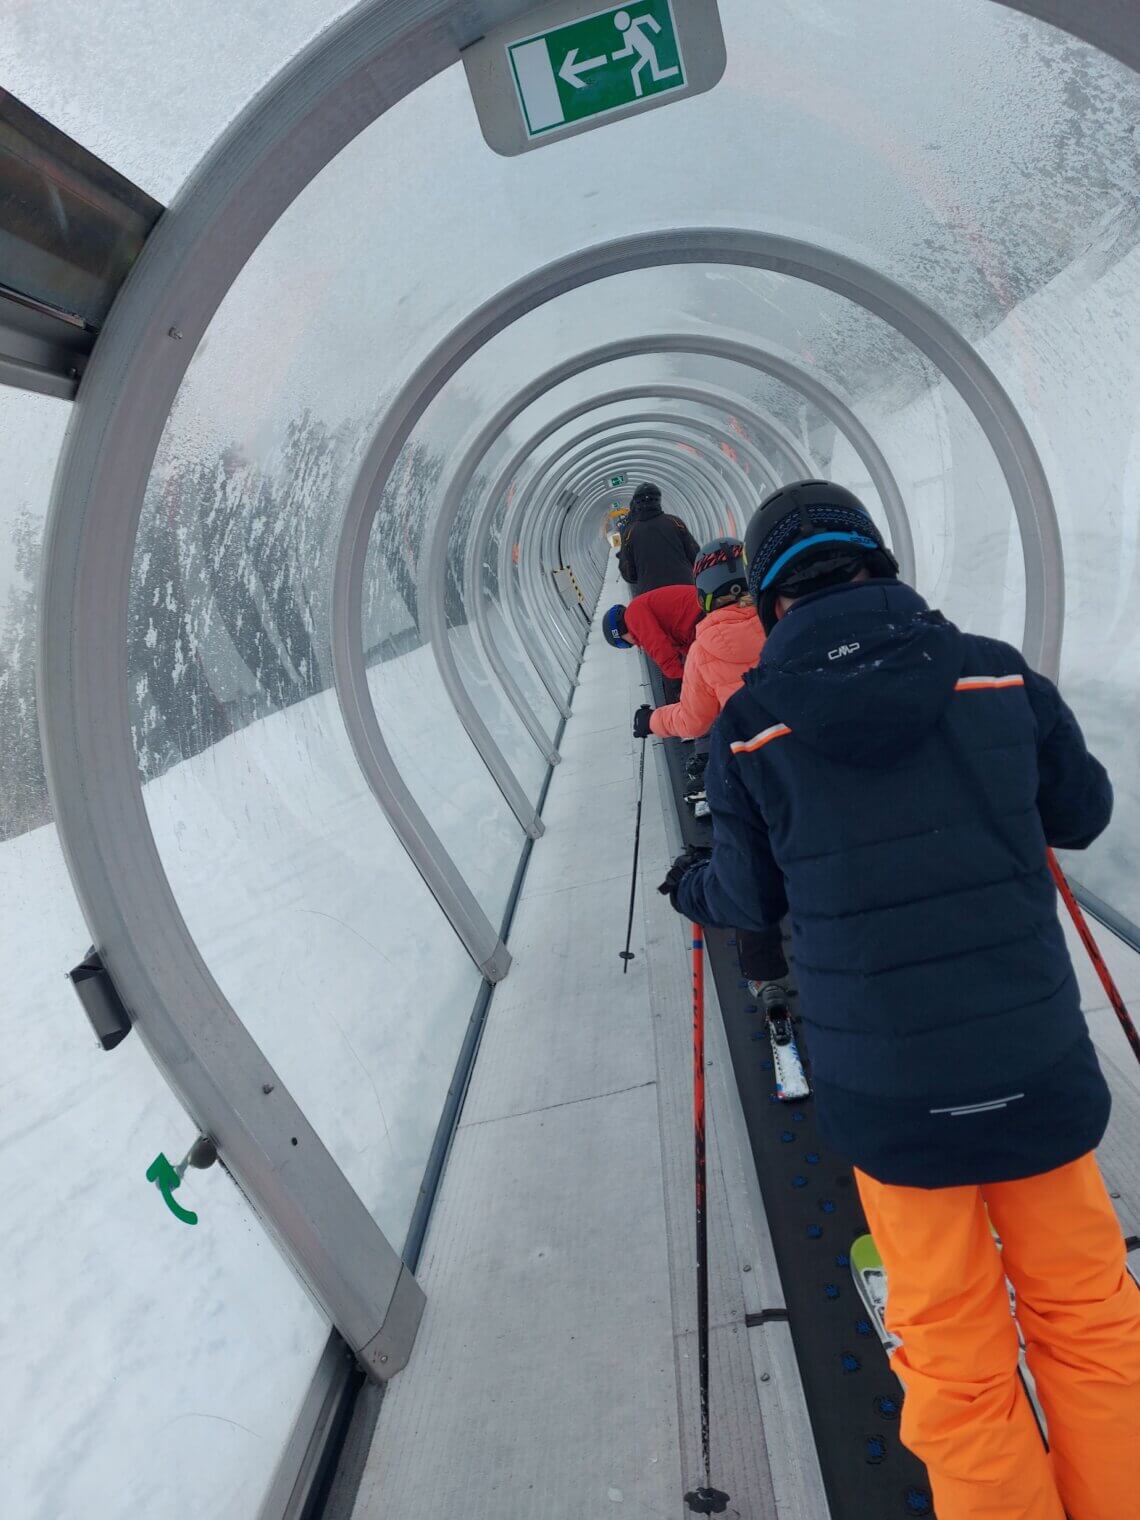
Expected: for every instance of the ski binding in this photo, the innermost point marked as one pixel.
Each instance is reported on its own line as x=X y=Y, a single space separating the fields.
x=791 y=1080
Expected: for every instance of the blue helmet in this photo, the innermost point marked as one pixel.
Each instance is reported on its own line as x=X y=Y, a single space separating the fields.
x=614 y=629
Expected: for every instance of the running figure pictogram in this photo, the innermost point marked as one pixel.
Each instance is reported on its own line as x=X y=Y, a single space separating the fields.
x=646 y=49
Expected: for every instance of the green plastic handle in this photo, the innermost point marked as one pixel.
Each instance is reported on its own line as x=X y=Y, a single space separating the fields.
x=166 y=1179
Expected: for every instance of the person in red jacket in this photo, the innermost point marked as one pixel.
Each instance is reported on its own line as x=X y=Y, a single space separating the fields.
x=727 y=645
x=663 y=623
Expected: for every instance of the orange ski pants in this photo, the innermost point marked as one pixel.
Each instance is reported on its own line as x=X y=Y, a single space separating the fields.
x=966 y=1413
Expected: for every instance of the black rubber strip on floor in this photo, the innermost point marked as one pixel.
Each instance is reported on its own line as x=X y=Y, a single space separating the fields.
x=854 y=1400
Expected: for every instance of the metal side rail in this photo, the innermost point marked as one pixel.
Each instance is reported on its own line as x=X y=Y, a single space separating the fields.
x=813 y=1213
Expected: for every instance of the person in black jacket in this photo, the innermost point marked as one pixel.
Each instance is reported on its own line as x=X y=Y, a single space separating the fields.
x=657 y=550
x=894 y=783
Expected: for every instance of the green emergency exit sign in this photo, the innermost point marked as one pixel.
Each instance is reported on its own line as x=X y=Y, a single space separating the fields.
x=617 y=480
x=570 y=65
x=599 y=64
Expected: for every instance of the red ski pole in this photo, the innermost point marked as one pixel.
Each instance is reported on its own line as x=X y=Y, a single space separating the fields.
x=706 y=1500
x=1095 y=956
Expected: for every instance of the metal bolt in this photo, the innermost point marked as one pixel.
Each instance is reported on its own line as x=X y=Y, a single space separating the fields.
x=267 y=1088
x=748 y=1266
x=383 y=1358
x=765 y=1377
x=174 y=332
x=203 y=1153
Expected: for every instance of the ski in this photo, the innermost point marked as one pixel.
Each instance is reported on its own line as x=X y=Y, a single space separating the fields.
x=870 y=1277
x=792 y=1085
x=871 y=1281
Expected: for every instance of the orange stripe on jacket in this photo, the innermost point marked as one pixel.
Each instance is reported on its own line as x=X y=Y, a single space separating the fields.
x=765 y=736
x=967 y=683
x=987 y=683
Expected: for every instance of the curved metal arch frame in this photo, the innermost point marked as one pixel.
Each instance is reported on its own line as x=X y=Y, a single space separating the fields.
x=717 y=345
x=520 y=505
x=730 y=494
x=710 y=466
x=726 y=489
x=717 y=475
x=955 y=358
x=648 y=419
x=951 y=355
x=434 y=574
x=666 y=464
x=475 y=565
x=705 y=519
x=660 y=462
x=689 y=485
x=699 y=475
x=694 y=482
x=705 y=395
x=687 y=481
x=338 y=85
x=449 y=514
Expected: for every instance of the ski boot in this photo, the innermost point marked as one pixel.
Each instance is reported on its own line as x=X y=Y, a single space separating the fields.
x=775 y=1003
x=791 y=1079
x=695 y=772
x=695 y=785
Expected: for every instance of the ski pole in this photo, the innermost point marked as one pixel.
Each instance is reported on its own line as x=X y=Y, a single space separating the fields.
x=1095 y=956
x=706 y=1500
x=627 y=954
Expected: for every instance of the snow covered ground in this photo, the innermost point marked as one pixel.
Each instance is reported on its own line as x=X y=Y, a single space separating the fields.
x=149 y=1368
x=146 y=1368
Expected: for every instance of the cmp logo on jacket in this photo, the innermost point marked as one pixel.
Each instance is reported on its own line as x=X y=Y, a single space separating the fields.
x=843 y=651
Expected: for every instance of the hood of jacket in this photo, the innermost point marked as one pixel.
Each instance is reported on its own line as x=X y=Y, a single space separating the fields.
x=645 y=510
x=732 y=634
x=860 y=673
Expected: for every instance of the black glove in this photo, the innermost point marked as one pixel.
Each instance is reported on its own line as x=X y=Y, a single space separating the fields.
x=641 y=721
x=693 y=856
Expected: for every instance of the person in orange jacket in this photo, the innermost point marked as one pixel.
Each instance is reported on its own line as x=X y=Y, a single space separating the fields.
x=727 y=644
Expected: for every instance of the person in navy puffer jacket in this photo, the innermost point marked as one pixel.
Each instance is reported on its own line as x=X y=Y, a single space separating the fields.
x=893 y=783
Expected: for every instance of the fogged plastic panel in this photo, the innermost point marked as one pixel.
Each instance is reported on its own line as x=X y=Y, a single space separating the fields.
x=150 y=87
x=473 y=521
x=501 y=571
x=431 y=749
x=967 y=151
x=305 y=906
x=503 y=633
x=1074 y=352
x=489 y=699
x=938 y=130
x=147 y=1367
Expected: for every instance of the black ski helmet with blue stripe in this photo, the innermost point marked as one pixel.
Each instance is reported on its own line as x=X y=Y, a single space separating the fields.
x=807 y=536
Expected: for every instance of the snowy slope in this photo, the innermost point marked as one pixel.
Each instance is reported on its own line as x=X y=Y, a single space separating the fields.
x=167 y=1362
